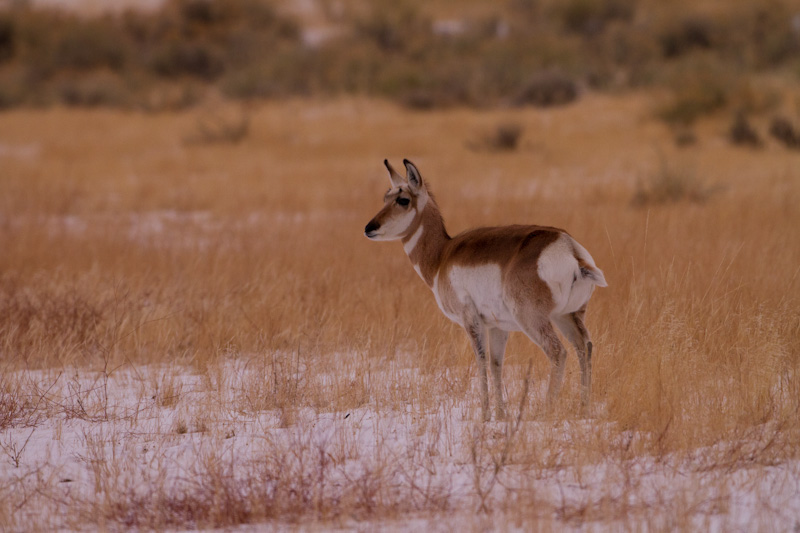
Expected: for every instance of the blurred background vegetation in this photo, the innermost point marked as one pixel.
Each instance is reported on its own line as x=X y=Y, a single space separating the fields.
x=705 y=56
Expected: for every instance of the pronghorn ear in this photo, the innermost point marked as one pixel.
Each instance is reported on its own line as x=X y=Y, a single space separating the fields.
x=397 y=179
x=413 y=175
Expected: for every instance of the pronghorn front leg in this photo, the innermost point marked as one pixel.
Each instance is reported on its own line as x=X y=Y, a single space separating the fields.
x=497 y=348
x=558 y=358
x=477 y=334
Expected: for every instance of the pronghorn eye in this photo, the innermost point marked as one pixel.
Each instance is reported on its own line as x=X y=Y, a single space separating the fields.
x=403 y=201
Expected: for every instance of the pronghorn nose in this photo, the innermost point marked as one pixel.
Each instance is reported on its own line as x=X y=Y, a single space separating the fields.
x=372 y=226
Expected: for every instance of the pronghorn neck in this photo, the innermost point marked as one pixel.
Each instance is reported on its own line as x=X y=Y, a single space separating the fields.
x=425 y=241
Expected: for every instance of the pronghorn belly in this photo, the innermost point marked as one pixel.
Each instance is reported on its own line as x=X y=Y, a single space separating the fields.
x=560 y=270
x=476 y=290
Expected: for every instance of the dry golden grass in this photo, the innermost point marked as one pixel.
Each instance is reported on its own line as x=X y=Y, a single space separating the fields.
x=124 y=246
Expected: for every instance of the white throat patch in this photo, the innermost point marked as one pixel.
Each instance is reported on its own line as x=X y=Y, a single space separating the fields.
x=412 y=242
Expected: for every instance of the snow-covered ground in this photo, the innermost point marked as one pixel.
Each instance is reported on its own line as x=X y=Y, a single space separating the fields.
x=174 y=447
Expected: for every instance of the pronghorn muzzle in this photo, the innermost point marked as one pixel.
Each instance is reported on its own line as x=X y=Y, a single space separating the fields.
x=371 y=228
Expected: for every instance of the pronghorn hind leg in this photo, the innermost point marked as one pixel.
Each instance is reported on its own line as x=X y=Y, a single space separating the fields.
x=572 y=327
x=586 y=380
x=497 y=348
x=543 y=334
x=477 y=334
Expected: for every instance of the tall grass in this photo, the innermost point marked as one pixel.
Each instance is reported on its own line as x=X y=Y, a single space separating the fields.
x=124 y=246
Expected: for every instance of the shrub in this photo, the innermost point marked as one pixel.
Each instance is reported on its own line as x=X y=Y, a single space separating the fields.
x=590 y=17
x=700 y=87
x=782 y=129
x=250 y=82
x=742 y=133
x=97 y=89
x=394 y=26
x=422 y=87
x=504 y=137
x=89 y=44
x=179 y=58
x=685 y=35
x=548 y=88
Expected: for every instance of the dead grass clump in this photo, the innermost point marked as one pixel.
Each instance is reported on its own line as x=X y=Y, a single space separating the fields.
x=181 y=427
x=217 y=126
x=168 y=389
x=294 y=480
x=274 y=381
x=31 y=321
x=671 y=183
x=11 y=404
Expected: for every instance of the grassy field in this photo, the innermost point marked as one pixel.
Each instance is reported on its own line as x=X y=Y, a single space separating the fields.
x=195 y=333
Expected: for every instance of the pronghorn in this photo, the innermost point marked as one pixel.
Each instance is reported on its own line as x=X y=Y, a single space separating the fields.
x=492 y=281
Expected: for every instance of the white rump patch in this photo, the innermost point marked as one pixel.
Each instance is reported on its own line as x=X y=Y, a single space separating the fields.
x=595 y=273
x=560 y=270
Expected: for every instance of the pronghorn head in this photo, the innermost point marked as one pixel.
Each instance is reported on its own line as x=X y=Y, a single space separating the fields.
x=403 y=204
